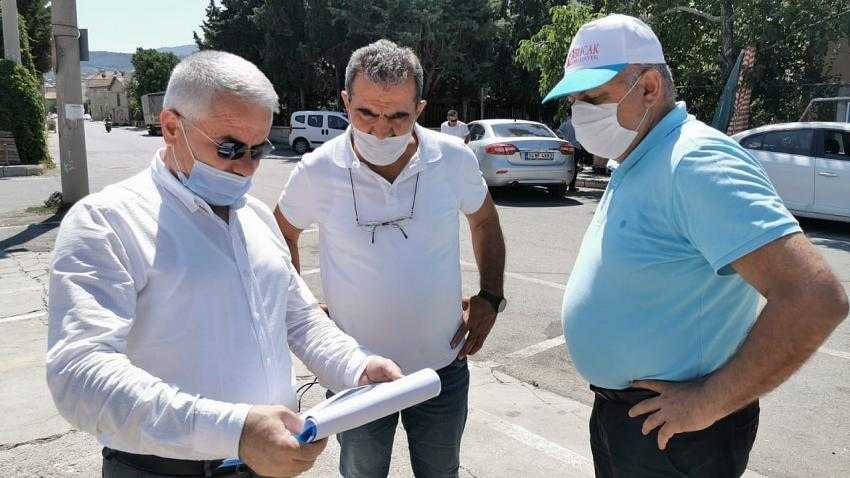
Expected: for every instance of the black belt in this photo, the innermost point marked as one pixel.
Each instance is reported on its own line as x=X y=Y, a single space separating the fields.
x=173 y=467
x=628 y=396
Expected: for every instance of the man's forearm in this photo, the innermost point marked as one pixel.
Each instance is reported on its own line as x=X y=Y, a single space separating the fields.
x=489 y=247
x=786 y=334
x=292 y=244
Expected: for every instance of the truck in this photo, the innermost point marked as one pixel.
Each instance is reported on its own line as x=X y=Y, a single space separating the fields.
x=151 y=108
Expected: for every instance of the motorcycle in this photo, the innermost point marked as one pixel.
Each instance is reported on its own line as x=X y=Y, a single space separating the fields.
x=108 y=126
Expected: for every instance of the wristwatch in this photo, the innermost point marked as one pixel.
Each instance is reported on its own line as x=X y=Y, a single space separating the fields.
x=498 y=303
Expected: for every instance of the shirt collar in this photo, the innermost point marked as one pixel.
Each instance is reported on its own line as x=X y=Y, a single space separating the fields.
x=165 y=178
x=671 y=121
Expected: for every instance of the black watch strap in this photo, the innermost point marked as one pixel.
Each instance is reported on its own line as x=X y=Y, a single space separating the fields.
x=494 y=300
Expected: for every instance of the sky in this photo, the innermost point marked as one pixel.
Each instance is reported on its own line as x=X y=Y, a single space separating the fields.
x=123 y=26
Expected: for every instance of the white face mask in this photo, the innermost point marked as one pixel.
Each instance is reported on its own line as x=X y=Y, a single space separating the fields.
x=380 y=152
x=599 y=131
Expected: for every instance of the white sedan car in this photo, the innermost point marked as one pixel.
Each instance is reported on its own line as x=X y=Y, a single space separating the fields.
x=517 y=152
x=809 y=163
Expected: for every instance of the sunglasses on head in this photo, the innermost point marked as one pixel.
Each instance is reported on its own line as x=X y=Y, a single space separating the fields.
x=235 y=149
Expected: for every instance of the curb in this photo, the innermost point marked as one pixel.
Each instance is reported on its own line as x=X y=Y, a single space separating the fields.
x=591 y=182
x=21 y=170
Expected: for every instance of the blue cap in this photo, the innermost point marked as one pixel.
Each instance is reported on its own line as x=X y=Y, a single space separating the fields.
x=583 y=80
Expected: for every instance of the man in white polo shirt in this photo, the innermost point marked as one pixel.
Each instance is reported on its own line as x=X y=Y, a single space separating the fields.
x=386 y=197
x=454 y=127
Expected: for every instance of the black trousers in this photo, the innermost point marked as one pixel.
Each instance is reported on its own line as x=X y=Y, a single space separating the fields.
x=620 y=450
x=118 y=464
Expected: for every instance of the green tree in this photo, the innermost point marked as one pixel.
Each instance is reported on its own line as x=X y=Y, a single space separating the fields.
x=792 y=40
x=286 y=51
x=26 y=54
x=37 y=15
x=453 y=39
x=152 y=70
x=230 y=25
x=546 y=51
x=22 y=112
x=510 y=84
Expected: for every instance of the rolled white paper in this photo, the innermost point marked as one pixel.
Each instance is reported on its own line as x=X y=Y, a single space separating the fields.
x=358 y=406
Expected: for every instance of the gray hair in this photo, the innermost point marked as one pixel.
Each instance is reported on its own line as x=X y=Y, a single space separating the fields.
x=385 y=63
x=199 y=79
x=632 y=74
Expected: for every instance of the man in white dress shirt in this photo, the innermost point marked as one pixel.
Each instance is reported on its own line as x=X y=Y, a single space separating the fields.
x=455 y=127
x=173 y=299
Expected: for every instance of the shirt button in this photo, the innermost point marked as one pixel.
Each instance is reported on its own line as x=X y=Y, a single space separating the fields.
x=268 y=361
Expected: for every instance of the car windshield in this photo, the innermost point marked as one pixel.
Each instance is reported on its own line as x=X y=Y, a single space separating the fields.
x=522 y=129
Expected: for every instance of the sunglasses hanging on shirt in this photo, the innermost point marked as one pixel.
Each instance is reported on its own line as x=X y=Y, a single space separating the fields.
x=372 y=226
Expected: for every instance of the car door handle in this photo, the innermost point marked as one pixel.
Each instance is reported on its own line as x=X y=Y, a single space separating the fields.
x=827 y=175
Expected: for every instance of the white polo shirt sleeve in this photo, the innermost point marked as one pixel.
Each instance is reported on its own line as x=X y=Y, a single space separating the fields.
x=471 y=188
x=298 y=201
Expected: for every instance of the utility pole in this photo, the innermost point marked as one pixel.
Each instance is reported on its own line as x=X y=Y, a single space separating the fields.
x=11 y=36
x=69 y=102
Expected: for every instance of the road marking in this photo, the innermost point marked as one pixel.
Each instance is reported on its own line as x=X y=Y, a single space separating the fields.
x=537 y=348
x=19 y=318
x=517 y=275
x=564 y=455
x=310 y=272
x=834 y=353
x=308 y=231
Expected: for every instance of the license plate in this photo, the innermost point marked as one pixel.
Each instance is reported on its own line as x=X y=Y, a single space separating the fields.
x=540 y=156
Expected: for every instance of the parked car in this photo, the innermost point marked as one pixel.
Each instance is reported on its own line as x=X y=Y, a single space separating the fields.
x=311 y=129
x=809 y=163
x=516 y=152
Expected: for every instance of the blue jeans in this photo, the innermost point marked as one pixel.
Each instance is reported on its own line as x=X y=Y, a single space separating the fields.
x=434 y=429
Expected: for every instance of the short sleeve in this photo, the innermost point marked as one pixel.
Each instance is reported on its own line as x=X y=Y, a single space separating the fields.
x=725 y=204
x=471 y=187
x=297 y=202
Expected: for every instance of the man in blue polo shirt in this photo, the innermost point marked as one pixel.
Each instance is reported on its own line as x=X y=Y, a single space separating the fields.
x=661 y=310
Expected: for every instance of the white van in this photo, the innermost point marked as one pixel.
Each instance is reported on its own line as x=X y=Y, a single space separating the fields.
x=310 y=129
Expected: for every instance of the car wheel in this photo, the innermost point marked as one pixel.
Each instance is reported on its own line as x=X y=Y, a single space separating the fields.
x=301 y=146
x=558 y=190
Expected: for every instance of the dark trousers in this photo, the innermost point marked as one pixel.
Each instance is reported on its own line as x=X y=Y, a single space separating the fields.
x=620 y=449
x=118 y=464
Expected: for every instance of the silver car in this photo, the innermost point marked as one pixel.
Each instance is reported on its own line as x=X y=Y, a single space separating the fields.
x=517 y=152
